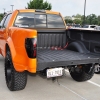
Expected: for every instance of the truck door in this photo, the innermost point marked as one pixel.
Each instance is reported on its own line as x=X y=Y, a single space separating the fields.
x=3 y=32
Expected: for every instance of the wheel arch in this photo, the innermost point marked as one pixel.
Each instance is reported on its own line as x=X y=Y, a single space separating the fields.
x=20 y=64
x=10 y=46
x=77 y=46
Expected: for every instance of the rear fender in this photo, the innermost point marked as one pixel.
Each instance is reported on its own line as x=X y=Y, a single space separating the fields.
x=16 y=43
x=11 y=47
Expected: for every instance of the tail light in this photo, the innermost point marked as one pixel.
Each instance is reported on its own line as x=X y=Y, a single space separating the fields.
x=31 y=45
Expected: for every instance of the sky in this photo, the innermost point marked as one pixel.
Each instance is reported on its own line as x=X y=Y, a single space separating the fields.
x=65 y=7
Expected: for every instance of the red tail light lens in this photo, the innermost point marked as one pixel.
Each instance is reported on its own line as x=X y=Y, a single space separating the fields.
x=31 y=46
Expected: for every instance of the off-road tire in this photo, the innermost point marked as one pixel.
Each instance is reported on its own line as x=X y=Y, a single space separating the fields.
x=86 y=73
x=15 y=80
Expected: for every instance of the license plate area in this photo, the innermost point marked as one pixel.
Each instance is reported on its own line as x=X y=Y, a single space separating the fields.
x=54 y=72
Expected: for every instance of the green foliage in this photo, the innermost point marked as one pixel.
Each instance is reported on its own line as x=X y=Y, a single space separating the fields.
x=68 y=21
x=91 y=19
x=39 y=4
x=99 y=18
x=99 y=23
x=78 y=16
x=1 y=16
x=77 y=21
x=82 y=19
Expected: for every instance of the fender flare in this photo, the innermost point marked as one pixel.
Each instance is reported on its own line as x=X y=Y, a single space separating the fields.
x=78 y=47
x=11 y=47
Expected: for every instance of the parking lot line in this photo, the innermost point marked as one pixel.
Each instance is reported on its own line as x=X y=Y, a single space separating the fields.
x=88 y=81
x=71 y=90
x=94 y=83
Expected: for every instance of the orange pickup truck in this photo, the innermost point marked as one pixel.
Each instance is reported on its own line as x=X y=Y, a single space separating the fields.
x=38 y=41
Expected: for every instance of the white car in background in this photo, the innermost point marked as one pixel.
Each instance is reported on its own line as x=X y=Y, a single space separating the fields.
x=90 y=27
x=97 y=28
x=87 y=27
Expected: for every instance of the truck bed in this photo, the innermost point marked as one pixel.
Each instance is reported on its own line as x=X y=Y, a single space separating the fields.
x=54 y=58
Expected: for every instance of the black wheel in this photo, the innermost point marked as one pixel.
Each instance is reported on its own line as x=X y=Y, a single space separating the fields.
x=82 y=72
x=97 y=69
x=14 y=80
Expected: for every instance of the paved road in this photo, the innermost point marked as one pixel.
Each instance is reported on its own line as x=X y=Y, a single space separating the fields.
x=39 y=88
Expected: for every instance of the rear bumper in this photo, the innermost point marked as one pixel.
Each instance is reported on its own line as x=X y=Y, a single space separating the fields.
x=30 y=65
x=43 y=65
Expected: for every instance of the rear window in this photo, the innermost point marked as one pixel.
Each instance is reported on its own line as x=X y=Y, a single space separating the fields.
x=24 y=20
x=34 y=20
x=55 y=21
x=40 y=20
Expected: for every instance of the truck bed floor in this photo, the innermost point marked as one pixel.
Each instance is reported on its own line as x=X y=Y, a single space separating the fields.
x=54 y=58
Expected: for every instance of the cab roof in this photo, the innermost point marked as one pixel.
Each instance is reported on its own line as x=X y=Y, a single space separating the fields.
x=38 y=10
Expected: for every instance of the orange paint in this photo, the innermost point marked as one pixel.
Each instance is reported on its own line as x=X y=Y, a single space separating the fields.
x=15 y=38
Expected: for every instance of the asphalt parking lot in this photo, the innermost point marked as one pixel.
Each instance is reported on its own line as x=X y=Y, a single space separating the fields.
x=39 y=88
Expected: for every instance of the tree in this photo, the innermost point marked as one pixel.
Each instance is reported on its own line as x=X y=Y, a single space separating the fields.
x=99 y=20
x=68 y=17
x=1 y=16
x=39 y=4
x=82 y=20
x=77 y=21
x=92 y=19
x=78 y=16
x=68 y=21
